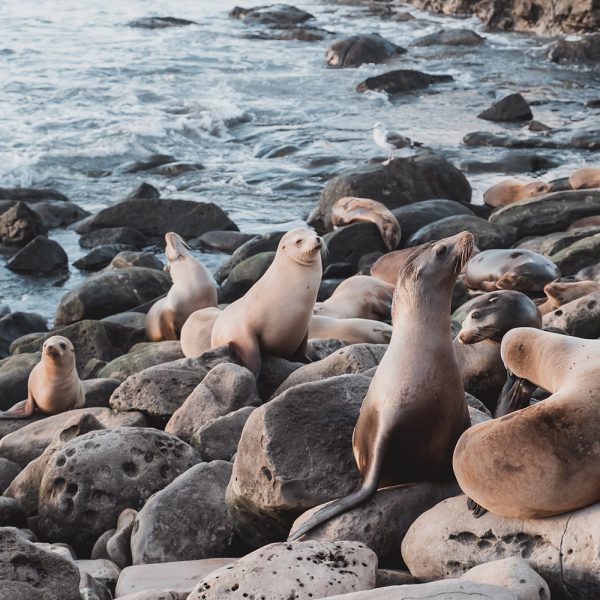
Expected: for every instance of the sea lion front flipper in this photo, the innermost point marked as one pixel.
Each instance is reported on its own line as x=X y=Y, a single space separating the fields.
x=489 y=286
x=515 y=395
x=248 y=352
x=476 y=509
x=21 y=410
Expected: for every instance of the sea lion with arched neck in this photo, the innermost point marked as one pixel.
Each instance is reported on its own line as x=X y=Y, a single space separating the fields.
x=193 y=288
x=274 y=315
x=542 y=460
x=415 y=409
x=53 y=386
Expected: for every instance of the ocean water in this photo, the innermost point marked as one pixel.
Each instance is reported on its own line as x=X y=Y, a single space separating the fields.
x=82 y=93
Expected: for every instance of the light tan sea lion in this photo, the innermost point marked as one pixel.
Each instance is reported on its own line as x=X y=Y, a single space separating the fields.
x=359 y=297
x=563 y=292
x=585 y=178
x=351 y=331
x=193 y=288
x=386 y=267
x=415 y=409
x=53 y=386
x=274 y=315
x=513 y=190
x=542 y=460
x=510 y=269
x=351 y=209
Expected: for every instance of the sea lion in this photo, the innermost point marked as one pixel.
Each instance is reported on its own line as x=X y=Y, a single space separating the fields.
x=197 y=331
x=512 y=190
x=274 y=315
x=415 y=409
x=360 y=297
x=510 y=269
x=585 y=178
x=563 y=292
x=351 y=331
x=193 y=288
x=53 y=385
x=350 y=209
x=477 y=345
x=542 y=460
x=386 y=267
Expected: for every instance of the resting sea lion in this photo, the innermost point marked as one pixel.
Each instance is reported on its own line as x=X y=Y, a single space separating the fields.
x=585 y=178
x=511 y=269
x=415 y=410
x=386 y=267
x=350 y=209
x=513 y=190
x=563 y=292
x=193 y=288
x=197 y=331
x=351 y=331
x=542 y=460
x=477 y=344
x=53 y=385
x=360 y=297
x=274 y=315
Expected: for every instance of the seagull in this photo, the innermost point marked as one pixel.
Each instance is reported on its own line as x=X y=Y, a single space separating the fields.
x=390 y=141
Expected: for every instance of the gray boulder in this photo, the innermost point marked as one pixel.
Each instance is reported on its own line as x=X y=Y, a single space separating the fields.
x=40 y=256
x=356 y=50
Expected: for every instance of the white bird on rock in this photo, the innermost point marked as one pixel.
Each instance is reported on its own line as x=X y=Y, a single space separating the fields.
x=390 y=141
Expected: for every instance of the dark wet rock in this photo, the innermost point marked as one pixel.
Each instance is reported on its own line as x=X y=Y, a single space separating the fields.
x=513 y=162
x=8 y=471
x=98 y=391
x=487 y=235
x=155 y=160
x=319 y=349
x=356 y=50
x=177 y=168
x=244 y=275
x=270 y=488
x=593 y=103
x=11 y=514
x=538 y=127
x=126 y=236
x=401 y=81
x=138 y=359
x=561 y=184
x=219 y=439
x=582 y=253
x=14 y=373
x=19 y=225
x=59 y=214
x=511 y=108
x=223 y=241
x=580 y=317
x=133 y=319
x=16 y=324
x=226 y=388
x=111 y=292
x=586 y=140
x=91 y=339
x=31 y=195
x=116 y=469
x=418 y=214
x=300 y=34
x=347 y=244
x=159 y=22
x=342 y=270
x=99 y=257
x=275 y=15
x=144 y=191
x=401 y=182
x=548 y=213
x=586 y=49
x=273 y=373
x=267 y=242
x=187 y=520
x=129 y=258
x=555 y=242
x=28 y=572
x=450 y=37
x=41 y=256
x=500 y=140
x=382 y=522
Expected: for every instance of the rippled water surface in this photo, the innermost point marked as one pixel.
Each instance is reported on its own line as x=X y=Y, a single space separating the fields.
x=81 y=93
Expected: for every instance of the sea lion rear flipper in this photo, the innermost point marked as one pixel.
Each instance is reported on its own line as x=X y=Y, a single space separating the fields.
x=21 y=410
x=514 y=396
x=476 y=509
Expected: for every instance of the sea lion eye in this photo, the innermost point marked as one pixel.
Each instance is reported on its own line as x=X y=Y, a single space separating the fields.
x=298 y=242
x=440 y=250
x=475 y=315
x=63 y=345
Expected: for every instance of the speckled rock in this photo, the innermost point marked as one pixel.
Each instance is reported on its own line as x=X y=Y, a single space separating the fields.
x=300 y=570
x=98 y=391
x=16 y=324
x=555 y=242
x=94 y=477
x=579 y=255
x=187 y=520
x=580 y=318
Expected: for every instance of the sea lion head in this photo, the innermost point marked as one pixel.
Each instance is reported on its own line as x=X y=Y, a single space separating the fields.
x=58 y=349
x=490 y=316
x=563 y=292
x=302 y=246
x=175 y=249
x=537 y=188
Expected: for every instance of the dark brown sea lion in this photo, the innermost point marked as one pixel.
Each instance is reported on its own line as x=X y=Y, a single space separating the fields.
x=415 y=410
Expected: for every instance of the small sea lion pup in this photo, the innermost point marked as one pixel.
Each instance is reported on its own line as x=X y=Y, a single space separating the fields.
x=510 y=269
x=351 y=209
x=193 y=288
x=513 y=190
x=358 y=297
x=274 y=315
x=477 y=344
x=53 y=385
x=542 y=460
x=563 y=292
x=414 y=410
x=585 y=178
